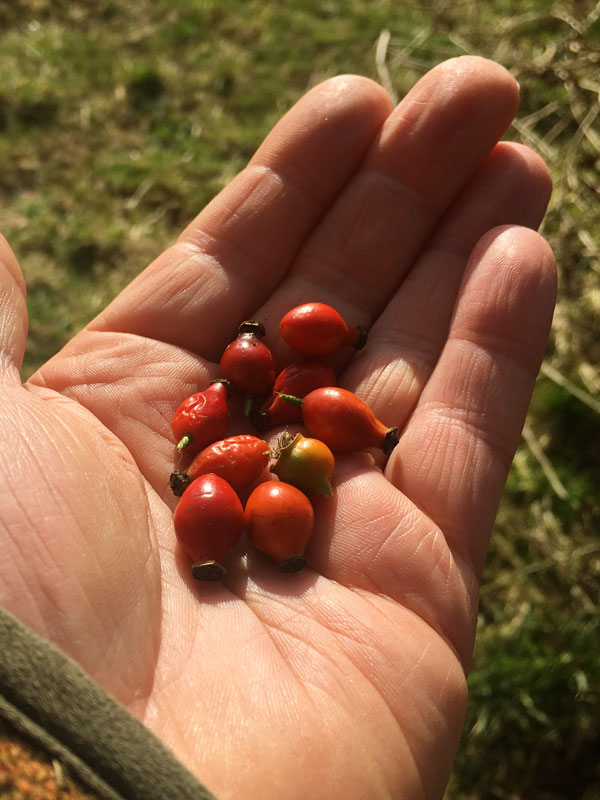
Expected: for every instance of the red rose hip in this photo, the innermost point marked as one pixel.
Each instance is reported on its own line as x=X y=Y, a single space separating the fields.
x=209 y=521
x=247 y=362
x=316 y=329
x=202 y=418
x=239 y=460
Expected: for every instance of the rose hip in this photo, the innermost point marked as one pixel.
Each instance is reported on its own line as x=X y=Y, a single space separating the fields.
x=316 y=329
x=239 y=460
x=247 y=362
x=298 y=379
x=202 y=418
x=306 y=463
x=279 y=522
x=209 y=521
x=343 y=421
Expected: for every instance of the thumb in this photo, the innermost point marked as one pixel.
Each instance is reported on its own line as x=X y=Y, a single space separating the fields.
x=13 y=315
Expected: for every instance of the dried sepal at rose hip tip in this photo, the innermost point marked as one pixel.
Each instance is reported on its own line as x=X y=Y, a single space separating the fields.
x=209 y=522
x=304 y=462
x=248 y=363
x=298 y=379
x=317 y=329
x=343 y=421
x=240 y=460
x=279 y=523
x=202 y=418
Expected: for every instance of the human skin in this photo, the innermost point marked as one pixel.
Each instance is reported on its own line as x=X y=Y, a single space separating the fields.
x=347 y=680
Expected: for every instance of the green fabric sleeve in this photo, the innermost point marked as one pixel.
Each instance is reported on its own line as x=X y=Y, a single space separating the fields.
x=47 y=696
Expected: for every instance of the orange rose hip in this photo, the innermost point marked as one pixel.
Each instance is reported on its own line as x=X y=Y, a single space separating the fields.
x=279 y=522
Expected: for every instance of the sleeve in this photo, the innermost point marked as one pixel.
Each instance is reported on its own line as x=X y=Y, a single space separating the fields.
x=47 y=699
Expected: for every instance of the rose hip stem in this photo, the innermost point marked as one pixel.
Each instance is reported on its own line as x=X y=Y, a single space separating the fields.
x=343 y=421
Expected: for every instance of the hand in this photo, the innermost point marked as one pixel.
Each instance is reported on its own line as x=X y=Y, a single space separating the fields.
x=346 y=680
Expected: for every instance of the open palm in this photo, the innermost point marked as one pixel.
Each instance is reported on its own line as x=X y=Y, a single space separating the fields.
x=346 y=680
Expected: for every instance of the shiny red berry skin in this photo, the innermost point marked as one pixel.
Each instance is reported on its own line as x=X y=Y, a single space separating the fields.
x=317 y=329
x=247 y=362
x=279 y=522
x=202 y=418
x=298 y=379
x=239 y=460
x=345 y=422
x=209 y=521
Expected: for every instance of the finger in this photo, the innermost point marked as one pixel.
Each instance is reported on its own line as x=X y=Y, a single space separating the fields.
x=426 y=542
x=512 y=187
x=426 y=152
x=13 y=315
x=236 y=251
x=454 y=455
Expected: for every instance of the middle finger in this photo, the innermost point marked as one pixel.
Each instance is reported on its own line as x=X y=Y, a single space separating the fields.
x=426 y=151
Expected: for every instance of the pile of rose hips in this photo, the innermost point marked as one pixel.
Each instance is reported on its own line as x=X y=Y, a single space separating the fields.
x=277 y=514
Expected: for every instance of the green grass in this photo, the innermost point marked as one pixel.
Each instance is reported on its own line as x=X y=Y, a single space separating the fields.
x=119 y=121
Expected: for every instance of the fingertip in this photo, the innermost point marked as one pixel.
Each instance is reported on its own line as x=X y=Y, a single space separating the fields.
x=478 y=68
x=478 y=77
x=342 y=114
x=356 y=89
x=518 y=162
x=516 y=243
x=525 y=154
x=516 y=265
